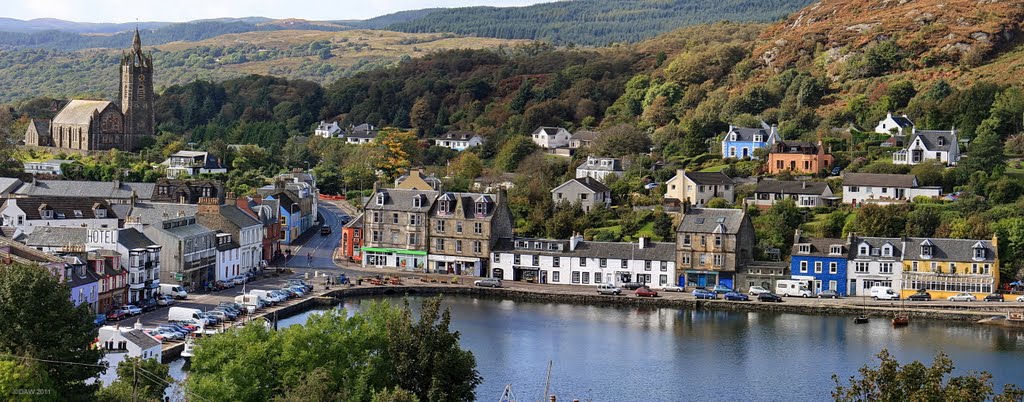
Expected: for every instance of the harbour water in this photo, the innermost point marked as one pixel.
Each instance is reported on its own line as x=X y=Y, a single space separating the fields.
x=663 y=354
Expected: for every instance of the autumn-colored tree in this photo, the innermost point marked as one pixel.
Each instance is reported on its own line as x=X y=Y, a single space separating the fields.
x=467 y=166
x=394 y=151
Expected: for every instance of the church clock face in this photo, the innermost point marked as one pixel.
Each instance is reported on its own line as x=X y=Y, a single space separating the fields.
x=142 y=78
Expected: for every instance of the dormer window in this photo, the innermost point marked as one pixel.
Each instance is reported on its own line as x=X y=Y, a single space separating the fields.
x=758 y=138
x=887 y=251
x=481 y=208
x=979 y=252
x=380 y=199
x=417 y=201
x=100 y=212
x=942 y=141
x=863 y=250
x=78 y=213
x=926 y=251
x=732 y=137
x=835 y=250
x=805 y=249
x=47 y=214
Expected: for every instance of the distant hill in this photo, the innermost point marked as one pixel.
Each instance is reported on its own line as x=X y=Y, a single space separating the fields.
x=595 y=22
x=47 y=24
x=384 y=21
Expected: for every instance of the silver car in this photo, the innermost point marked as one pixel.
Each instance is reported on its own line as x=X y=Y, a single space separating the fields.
x=488 y=282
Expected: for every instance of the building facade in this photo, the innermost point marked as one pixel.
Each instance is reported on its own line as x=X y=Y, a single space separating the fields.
x=874 y=261
x=894 y=125
x=799 y=157
x=806 y=194
x=27 y=214
x=822 y=262
x=945 y=267
x=549 y=138
x=463 y=229
x=880 y=188
x=352 y=240
x=588 y=193
x=458 y=140
x=712 y=244
x=395 y=229
x=741 y=142
x=925 y=145
x=600 y=168
x=697 y=188
x=189 y=251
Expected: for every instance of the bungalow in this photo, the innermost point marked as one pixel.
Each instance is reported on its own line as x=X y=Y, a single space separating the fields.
x=362 y=134
x=894 y=125
x=822 y=262
x=939 y=145
x=579 y=262
x=697 y=188
x=806 y=194
x=880 y=188
x=458 y=140
x=583 y=138
x=740 y=142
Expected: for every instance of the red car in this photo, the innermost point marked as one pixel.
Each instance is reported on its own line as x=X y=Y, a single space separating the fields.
x=116 y=315
x=646 y=292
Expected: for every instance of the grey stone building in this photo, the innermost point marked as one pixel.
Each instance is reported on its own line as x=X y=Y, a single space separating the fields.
x=588 y=192
x=463 y=229
x=713 y=244
x=395 y=228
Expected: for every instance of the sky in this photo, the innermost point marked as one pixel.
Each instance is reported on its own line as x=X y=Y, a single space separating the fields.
x=188 y=10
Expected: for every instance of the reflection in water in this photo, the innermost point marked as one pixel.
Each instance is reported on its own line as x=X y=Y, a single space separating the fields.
x=662 y=354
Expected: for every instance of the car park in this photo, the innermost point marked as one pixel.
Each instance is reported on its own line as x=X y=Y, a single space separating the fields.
x=645 y=292
x=673 y=288
x=995 y=297
x=283 y=295
x=608 y=289
x=488 y=282
x=757 y=290
x=702 y=293
x=736 y=296
x=921 y=295
x=828 y=294
x=721 y=289
x=230 y=313
x=967 y=297
x=156 y=334
x=299 y=290
x=769 y=297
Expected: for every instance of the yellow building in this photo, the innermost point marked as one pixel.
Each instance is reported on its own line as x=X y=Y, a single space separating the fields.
x=945 y=267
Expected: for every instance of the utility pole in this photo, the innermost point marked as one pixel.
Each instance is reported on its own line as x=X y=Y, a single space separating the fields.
x=135 y=380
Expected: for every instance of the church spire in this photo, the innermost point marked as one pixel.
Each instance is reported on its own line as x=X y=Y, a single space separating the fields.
x=137 y=41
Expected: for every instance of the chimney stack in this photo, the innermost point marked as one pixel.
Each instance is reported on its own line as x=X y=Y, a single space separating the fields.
x=642 y=242
x=208 y=206
x=574 y=241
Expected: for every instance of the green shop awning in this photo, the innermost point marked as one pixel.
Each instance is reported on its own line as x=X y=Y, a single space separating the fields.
x=394 y=250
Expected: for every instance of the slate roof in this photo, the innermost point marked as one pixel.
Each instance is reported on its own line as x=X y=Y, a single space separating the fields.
x=22 y=253
x=42 y=126
x=707 y=220
x=589 y=183
x=747 y=134
x=188 y=230
x=551 y=131
x=104 y=189
x=362 y=134
x=791 y=187
x=238 y=217
x=930 y=139
x=77 y=280
x=795 y=147
x=356 y=222
x=949 y=249
x=614 y=166
x=457 y=136
x=132 y=239
x=902 y=121
x=61 y=205
x=52 y=236
x=876 y=242
x=468 y=203
x=709 y=178
x=79 y=111
x=140 y=339
x=879 y=180
x=821 y=247
x=585 y=135
x=9 y=185
x=151 y=213
x=655 y=251
x=401 y=200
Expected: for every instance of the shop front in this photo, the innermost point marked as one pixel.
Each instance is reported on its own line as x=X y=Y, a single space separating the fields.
x=453 y=265
x=405 y=260
x=708 y=278
x=526 y=274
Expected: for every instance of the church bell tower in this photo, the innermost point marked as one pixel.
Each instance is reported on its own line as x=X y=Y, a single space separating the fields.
x=137 y=94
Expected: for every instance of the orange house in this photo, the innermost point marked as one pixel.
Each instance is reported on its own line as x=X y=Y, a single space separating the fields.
x=352 y=239
x=798 y=157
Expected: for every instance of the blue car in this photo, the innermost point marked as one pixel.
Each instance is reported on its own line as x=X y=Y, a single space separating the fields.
x=705 y=294
x=736 y=296
x=99 y=320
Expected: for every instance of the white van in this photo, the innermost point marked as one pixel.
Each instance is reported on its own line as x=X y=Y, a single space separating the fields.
x=250 y=302
x=788 y=287
x=883 y=293
x=265 y=294
x=179 y=314
x=175 y=291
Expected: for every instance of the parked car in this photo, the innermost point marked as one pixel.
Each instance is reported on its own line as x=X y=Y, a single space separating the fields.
x=963 y=297
x=1020 y=299
x=164 y=300
x=147 y=304
x=632 y=285
x=673 y=288
x=156 y=334
x=608 y=289
x=288 y=294
x=131 y=309
x=721 y=289
x=175 y=328
x=221 y=285
x=240 y=280
x=921 y=295
x=702 y=293
x=343 y=219
x=99 y=320
x=219 y=315
x=488 y=282
x=995 y=297
x=645 y=292
x=769 y=297
x=300 y=282
x=757 y=290
x=116 y=315
x=167 y=334
x=325 y=230
x=299 y=290
x=828 y=294
x=736 y=296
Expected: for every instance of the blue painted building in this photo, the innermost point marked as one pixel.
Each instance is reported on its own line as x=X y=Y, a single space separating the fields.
x=822 y=262
x=740 y=142
x=291 y=217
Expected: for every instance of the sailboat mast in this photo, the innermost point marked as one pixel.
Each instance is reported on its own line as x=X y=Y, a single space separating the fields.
x=547 y=383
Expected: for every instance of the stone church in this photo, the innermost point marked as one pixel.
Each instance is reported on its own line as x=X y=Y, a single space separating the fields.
x=92 y=125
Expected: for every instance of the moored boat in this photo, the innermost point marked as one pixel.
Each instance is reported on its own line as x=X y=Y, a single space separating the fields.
x=861 y=319
x=900 y=320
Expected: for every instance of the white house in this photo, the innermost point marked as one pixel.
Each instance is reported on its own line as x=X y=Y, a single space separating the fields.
x=806 y=194
x=600 y=168
x=874 y=261
x=940 y=145
x=894 y=125
x=51 y=166
x=458 y=140
x=550 y=138
x=131 y=340
x=27 y=214
x=228 y=260
x=362 y=134
x=140 y=256
x=192 y=163
x=880 y=188
x=327 y=130
x=579 y=262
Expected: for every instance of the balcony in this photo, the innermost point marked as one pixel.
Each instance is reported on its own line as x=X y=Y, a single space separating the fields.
x=137 y=285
